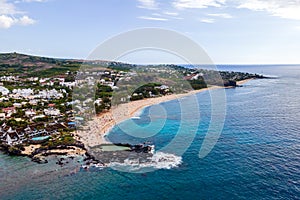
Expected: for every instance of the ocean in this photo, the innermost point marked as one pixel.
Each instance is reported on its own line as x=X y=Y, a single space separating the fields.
x=256 y=156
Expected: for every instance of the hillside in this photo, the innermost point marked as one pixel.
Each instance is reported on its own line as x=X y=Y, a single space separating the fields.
x=28 y=65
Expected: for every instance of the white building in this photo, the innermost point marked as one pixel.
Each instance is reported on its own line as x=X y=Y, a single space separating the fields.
x=68 y=84
x=25 y=93
x=33 y=102
x=2 y=116
x=17 y=105
x=51 y=112
x=4 y=90
x=30 y=113
x=38 y=116
x=48 y=94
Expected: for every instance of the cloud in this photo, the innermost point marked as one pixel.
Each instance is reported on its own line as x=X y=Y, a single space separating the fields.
x=288 y=9
x=215 y=15
x=153 y=18
x=25 y=20
x=184 y=4
x=30 y=1
x=156 y=14
x=221 y=15
x=207 y=20
x=7 y=21
x=171 y=13
x=7 y=8
x=165 y=16
x=10 y=16
x=148 y=4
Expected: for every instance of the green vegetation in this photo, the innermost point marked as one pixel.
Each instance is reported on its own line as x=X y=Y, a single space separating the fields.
x=103 y=91
x=16 y=124
x=120 y=66
x=198 y=84
x=149 y=90
x=26 y=65
x=64 y=138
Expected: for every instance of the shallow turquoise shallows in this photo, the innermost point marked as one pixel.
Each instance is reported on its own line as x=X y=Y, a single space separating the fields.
x=256 y=157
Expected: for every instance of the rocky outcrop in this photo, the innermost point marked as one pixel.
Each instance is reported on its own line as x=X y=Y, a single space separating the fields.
x=12 y=150
x=141 y=148
x=39 y=160
x=138 y=148
x=230 y=83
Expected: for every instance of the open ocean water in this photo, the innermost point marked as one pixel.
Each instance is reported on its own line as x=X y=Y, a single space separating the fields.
x=256 y=157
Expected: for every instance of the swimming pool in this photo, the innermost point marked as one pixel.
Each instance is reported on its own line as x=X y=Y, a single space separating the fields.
x=40 y=138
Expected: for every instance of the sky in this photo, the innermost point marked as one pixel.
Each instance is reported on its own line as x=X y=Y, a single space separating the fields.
x=230 y=31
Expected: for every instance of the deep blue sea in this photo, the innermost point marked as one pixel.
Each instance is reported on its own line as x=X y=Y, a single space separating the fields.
x=256 y=156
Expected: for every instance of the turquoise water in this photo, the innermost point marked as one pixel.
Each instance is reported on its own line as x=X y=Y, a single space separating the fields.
x=40 y=138
x=256 y=157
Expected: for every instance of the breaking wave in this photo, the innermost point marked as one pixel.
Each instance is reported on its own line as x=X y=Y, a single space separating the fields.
x=158 y=160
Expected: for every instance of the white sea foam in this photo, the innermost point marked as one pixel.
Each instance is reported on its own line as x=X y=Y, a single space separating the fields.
x=159 y=160
x=135 y=117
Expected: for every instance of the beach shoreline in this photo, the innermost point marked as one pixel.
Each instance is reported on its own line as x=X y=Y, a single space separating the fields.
x=94 y=133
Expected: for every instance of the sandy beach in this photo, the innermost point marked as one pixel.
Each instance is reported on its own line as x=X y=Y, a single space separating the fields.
x=95 y=131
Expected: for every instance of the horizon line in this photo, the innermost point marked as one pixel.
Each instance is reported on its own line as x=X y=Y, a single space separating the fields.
x=163 y=63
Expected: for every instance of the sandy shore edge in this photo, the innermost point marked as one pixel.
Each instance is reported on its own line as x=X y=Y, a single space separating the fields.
x=95 y=131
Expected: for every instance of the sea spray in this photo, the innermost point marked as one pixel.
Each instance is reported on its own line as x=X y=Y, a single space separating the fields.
x=158 y=160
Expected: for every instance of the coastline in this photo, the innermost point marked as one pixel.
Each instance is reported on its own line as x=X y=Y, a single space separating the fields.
x=240 y=83
x=97 y=129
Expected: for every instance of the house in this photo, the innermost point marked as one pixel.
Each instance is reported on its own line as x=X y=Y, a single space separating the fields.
x=24 y=103
x=33 y=102
x=43 y=81
x=162 y=87
x=98 y=101
x=4 y=91
x=9 y=110
x=38 y=117
x=68 y=84
x=10 y=136
x=194 y=76
x=51 y=112
x=2 y=116
x=51 y=105
x=2 y=99
x=25 y=93
x=61 y=80
x=17 y=105
x=30 y=113
x=9 y=78
x=48 y=94
x=33 y=79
